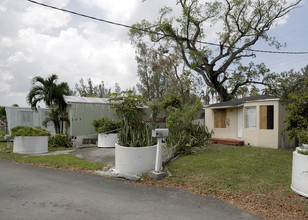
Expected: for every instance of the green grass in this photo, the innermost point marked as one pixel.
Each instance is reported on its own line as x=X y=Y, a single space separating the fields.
x=256 y=180
x=64 y=161
x=235 y=170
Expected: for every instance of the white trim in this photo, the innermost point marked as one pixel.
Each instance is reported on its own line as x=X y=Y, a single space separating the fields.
x=263 y=100
x=242 y=104
x=234 y=106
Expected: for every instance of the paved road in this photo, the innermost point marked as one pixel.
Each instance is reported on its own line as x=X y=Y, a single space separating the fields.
x=31 y=192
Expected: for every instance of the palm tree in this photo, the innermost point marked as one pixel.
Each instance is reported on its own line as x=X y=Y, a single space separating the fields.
x=51 y=93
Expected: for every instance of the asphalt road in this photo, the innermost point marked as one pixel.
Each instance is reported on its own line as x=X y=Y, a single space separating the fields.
x=31 y=192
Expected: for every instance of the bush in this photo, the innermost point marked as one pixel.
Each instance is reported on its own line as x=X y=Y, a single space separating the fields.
x=59 y=140
x=2 y=134
x=28 y=131
x=133 y=132
x=136 y=134
x=106 y=125
x=173 y=100
x=182 y=133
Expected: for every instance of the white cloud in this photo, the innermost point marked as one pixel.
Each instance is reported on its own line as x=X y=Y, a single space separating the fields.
x=86 y=53
x=2 y=9
x=281 y=21
x=38 y=41
x=6 y=42
x=18 y=57
x=5 y=78
x=119 y=10
x=57 y=3
x=44 y=19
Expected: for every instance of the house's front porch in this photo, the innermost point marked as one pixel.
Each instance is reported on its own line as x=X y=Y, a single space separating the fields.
x=227 y=141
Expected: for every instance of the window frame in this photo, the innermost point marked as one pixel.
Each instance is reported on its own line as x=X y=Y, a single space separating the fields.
x=250 y=122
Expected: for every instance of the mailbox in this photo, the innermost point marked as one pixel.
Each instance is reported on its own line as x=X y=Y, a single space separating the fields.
x=160 y=132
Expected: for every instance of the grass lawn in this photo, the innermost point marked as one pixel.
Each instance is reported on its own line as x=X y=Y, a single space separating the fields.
x=64 y=161
x=255 y=179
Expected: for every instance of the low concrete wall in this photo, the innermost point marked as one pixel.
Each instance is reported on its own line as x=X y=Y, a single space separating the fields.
x=300 y=174
x=107 y=140
x=134 y=160
x=30 y=144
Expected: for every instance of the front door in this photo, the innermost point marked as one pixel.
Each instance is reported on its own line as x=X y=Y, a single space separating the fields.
x=239 y=122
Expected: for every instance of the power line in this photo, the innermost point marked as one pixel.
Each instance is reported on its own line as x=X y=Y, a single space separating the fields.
x=153 y=32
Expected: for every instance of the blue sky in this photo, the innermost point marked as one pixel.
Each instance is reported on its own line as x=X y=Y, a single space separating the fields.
x=40 y=41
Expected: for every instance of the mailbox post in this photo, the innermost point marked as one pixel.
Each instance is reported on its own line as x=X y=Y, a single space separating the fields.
x=159 y=133
x=8 y=138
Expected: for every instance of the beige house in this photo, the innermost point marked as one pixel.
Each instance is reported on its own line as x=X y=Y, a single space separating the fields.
x=256 y=120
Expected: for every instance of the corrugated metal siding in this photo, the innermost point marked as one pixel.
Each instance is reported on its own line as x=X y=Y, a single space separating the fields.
x=81 y=116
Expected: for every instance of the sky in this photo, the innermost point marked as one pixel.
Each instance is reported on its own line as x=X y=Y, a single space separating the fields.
x=37 y=41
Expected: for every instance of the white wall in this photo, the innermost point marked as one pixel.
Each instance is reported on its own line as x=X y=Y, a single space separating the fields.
x=262 y=137
x=231 y=128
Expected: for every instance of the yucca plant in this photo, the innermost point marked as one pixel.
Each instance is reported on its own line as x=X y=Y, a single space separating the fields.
x=133 y=132
x=136 y=134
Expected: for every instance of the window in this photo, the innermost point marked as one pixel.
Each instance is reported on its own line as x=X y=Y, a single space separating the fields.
x=220 y=118
x=250 y=117
x=26 y=116
x=267 y=117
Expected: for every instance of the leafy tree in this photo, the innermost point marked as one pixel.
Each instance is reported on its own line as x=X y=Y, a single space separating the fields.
x=15 y=105
x=2 y=113
x=117 y=88
x=91 y=90
x=48 y=91
x=128 y=105
x=162 y=74
x=292 y=88
x=254 y=91
x=152 y=83
x=243 y=23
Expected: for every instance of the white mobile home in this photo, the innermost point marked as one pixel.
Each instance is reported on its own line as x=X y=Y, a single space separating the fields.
x=23 y=116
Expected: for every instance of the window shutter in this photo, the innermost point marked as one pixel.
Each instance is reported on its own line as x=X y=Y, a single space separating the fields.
x=270 y=117
x=219 y=118
x=263 y=117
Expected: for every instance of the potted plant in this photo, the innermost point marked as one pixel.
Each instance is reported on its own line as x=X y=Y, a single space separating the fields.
x=30 y=140
x=135 y=151
x=300 y=167
x=107 y=129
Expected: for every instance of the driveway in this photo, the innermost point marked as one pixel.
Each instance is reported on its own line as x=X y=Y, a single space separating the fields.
x=31 y=192
x=96 y=154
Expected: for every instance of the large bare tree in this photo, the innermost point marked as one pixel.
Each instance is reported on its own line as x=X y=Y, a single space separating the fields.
x=240 y=24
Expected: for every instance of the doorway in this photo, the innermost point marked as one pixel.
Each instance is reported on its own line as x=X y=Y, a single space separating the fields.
x=239 y=122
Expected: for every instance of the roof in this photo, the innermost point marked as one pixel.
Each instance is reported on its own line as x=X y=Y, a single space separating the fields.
x=91 y=100
x=25 y=108
x=240 y=102
x=76 y=99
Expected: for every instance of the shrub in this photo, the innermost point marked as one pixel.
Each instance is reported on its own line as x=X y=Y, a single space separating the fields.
x=133 y=132
x=2 y=134
x=136 y=134
x=106 y=125
x=59 y=140
x=182 y=133
x=28 y=131
x=173 y=100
